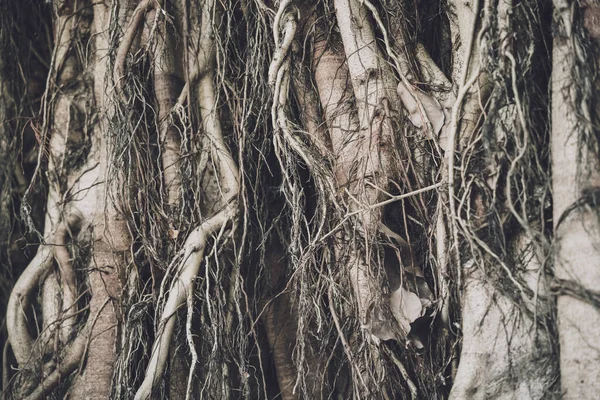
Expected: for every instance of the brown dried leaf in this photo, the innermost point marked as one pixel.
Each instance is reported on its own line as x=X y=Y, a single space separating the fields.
x=173 y=233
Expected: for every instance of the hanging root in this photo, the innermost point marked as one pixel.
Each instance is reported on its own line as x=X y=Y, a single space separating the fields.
x=289 y=29
x=195 y=245
x=280 y=80
x=194 y=248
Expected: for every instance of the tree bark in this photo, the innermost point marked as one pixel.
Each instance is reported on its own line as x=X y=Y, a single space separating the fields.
x=111 y=238
x=575 y=181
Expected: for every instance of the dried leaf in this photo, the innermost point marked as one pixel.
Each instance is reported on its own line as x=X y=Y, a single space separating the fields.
x=406 y=307
x=432 y=109
x=380 y=326
x=403 y=251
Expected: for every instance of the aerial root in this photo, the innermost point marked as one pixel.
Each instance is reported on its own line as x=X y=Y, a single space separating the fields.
x=181 y=288
x=194 y=248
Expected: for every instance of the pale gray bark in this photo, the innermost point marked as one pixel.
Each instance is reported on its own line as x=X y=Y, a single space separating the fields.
x=575 y=180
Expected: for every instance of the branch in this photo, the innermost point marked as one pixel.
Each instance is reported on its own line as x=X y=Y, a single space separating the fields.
x=393 y=199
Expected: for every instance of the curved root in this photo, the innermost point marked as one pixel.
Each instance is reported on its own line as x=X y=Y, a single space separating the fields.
x=65 y=265
x=180 y=289
x=19 y=301
x=22 y=342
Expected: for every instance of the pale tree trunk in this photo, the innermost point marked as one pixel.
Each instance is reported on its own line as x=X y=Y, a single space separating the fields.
x=575 y=180
x=502 y=336
x=111 y=238
x=79 y=210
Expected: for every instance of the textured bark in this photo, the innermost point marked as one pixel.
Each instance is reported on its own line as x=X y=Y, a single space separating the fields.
x=167 y=88
x=501 y=342
x=500 y=338
x=331 y=77
x=77 y=204
x=111 y=239
x=575 y=181
x=371 y=158
x=467 y=23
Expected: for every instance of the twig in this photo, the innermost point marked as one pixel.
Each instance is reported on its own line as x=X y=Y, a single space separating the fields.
x=394 y=199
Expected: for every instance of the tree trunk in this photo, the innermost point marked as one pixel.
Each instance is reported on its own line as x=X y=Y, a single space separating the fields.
x=575 y=180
